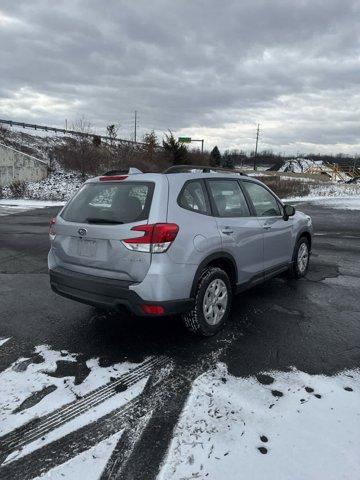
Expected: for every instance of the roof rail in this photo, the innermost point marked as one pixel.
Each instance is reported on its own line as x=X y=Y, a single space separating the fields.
x=202 y=168
x=130 y=171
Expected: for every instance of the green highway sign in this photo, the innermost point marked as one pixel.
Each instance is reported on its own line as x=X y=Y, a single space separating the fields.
x=185 y=139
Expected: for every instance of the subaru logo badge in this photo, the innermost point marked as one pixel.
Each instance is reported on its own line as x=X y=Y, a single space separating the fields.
x=82 y=232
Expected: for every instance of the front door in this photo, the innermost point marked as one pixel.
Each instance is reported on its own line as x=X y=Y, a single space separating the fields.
x=277 y=231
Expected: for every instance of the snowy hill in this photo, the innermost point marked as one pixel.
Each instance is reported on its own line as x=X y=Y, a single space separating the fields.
x=299 y=165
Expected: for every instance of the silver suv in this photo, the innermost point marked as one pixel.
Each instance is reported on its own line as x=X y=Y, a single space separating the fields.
x=183 y=241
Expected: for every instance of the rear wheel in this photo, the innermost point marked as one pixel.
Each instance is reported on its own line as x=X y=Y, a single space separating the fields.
x=301 y=257
x=212 y=303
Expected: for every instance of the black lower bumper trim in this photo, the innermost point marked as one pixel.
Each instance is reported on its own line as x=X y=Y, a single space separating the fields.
x=107 y=293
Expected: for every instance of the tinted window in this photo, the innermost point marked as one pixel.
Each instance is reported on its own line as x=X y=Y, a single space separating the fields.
x=110 y=203
x=265 y=203
x=228 y=198
x=193 y=197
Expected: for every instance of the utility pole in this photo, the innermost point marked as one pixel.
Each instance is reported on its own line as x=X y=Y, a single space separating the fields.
x=256 y=145
x=135 y=125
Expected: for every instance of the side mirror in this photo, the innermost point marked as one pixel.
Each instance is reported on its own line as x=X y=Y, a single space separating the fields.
x=289 y=211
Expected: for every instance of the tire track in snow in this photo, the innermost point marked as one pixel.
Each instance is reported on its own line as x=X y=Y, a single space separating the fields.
x=132 y=418
x=37 y=428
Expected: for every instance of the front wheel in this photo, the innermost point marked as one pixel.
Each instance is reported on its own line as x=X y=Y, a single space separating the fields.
x=212 y=303
x=301 y=257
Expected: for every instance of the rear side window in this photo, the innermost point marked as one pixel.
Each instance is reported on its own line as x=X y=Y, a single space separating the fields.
x=110 y=203
x=264 y=202
x=193 y=197
x=228 y=198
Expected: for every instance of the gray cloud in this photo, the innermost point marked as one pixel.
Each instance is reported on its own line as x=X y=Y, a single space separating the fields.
x=200 y=67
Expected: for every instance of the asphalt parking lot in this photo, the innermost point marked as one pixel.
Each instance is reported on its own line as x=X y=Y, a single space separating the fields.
x=312 y=324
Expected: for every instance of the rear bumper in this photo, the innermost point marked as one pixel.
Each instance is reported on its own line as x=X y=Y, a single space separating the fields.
x=107 y=293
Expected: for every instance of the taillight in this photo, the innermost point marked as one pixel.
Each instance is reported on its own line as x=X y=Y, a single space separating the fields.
x=157 y=237
x=51 y=228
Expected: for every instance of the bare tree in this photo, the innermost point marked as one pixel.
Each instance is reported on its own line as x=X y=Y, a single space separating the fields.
x=112 y=131
x=83 y=126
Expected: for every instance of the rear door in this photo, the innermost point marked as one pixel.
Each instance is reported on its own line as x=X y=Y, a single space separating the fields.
x=277 y=231
x=241 y=233
x=90 y=229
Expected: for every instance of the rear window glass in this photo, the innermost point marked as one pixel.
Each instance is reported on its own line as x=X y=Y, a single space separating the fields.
x=110 y=203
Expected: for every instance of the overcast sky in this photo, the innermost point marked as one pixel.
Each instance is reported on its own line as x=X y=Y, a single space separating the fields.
x=206 y=68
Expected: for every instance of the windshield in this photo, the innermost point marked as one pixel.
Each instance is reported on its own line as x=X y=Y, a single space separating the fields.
x=110 y=203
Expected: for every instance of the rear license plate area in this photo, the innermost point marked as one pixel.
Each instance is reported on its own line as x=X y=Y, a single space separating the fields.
x=86 y=248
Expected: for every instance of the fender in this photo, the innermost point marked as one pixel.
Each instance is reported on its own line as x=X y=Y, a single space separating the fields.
x=209 y=259
x=301 y=233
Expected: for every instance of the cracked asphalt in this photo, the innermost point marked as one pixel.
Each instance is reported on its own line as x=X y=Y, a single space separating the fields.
x=312 y=324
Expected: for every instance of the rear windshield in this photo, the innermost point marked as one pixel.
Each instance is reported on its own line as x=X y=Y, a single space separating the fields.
x=109 y=203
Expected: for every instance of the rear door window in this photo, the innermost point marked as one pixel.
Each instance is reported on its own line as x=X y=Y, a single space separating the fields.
x=228 y=198
x=109 y=203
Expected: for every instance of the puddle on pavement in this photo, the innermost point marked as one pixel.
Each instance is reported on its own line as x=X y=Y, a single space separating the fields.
x=66 y=368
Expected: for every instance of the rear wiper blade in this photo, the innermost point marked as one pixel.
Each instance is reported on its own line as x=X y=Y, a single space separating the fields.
x=103 y=220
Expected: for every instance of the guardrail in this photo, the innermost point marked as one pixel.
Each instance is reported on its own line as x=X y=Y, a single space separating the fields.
x=64 y=131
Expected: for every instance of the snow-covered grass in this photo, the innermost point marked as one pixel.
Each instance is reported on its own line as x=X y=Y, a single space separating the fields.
x=281 y=426
x=59 y=185
x=328 y=191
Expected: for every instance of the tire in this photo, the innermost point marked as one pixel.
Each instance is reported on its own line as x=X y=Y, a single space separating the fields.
x=213 y=283
x=298 y=269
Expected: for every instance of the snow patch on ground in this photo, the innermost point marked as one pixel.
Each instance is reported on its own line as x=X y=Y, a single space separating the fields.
x=88 y=465
x=343 y=203
x=3 y=340
x=28 y=204
x=297 y=427
x=27 y=376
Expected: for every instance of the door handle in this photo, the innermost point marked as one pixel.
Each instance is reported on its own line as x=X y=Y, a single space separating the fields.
x=227 y=231
x=267 y=227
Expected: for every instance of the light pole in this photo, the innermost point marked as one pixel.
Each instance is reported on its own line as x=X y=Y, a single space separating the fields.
x=256 y=145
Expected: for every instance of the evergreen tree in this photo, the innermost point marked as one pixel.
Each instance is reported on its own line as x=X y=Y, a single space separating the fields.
x=177 y=150
x=215 y=157
x=228 y=161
